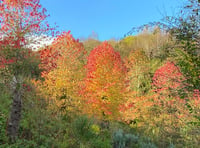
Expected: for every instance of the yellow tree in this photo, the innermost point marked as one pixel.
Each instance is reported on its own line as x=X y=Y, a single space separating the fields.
x=63 y=62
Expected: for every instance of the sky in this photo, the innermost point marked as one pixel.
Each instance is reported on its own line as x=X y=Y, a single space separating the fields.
x=107 y=18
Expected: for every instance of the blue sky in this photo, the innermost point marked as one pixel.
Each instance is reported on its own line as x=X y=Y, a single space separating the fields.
x=107 y=18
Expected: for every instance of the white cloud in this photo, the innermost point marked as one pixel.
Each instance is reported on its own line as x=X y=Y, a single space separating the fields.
x=36 y=42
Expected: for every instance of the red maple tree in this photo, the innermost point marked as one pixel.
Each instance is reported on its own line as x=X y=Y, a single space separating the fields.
x=105 y=83
x=168 y=79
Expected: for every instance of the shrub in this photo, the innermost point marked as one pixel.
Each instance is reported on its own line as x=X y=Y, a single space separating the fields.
x=82 y=128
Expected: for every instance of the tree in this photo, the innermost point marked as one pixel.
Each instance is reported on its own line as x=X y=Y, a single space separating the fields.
x=105 y=82
x=171 y=104
x=184 y=32
x=186 y=29
x=168 y=80
x=63 y=64
x=90 y=44
x=19 y=20
x=138 y=72
x=155 y=42
x=126 y=45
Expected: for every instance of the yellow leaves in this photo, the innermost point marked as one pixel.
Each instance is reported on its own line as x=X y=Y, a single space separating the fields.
x=95 y=129
x=63 y=81
x=58 y=80
x=62 y=85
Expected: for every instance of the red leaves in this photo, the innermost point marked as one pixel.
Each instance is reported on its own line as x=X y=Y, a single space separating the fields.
x=167 y=78
x=196 y=94
x=48 y=58
x=26 y=87
x=21 y=23
x=22 y=17
x=104 y=55
x=12 y=2
x=4 y=62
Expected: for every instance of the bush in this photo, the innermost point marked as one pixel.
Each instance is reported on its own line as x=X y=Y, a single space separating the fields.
x=20 y=143
x=122 y=140
x=82 y=128
x=5 y=102
x=100 y=143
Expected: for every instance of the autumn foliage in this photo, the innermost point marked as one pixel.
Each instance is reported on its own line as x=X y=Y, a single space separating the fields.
x=62 y=63
x=64 y=46
x=105 y=82
x=146 y=94
x=19 y=18
x=168 y=79
x=20 y=21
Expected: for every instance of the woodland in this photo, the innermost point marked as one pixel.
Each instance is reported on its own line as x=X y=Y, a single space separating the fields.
x=142 y=91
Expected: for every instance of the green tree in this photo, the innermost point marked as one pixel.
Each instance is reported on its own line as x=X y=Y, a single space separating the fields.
x=187 y=49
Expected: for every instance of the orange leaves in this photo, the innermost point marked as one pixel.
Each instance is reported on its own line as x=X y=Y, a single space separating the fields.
x=136 y=107
x=105 y=81
x=104 y=60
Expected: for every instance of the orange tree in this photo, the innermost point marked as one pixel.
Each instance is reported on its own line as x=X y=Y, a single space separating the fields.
x=105 y=82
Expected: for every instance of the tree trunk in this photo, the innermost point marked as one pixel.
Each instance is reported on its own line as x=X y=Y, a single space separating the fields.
x=15 y=114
